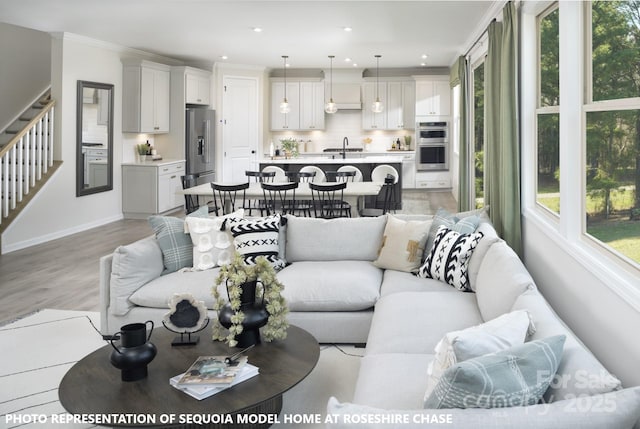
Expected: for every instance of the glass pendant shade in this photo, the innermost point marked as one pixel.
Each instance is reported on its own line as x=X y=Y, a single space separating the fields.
x=377 y=106
x=330 y=107
x=284 y=106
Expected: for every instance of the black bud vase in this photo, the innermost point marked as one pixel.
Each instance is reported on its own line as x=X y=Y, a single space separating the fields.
x=135 y=351
x=255 y=316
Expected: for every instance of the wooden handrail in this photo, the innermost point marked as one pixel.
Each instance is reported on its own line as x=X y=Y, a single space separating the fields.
x=26 y=128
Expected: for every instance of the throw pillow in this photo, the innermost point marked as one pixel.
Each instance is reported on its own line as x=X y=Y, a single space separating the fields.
x=211 y=246
x=177 y=250
x=498 y=334
x=464 y=223
x=448 y=259
x=402 y=244
x=515 y=377
x=257 y=237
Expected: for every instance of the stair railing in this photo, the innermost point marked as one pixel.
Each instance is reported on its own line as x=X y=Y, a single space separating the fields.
x=25 y=158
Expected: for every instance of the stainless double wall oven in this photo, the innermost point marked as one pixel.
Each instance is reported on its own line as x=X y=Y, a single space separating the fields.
x=432 y=146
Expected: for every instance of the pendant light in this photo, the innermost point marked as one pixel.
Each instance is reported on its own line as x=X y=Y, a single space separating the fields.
x=377 y=106
x=331 y=107
x=284 y=106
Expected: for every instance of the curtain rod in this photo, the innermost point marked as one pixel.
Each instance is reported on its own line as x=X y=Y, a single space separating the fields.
x=479 y=37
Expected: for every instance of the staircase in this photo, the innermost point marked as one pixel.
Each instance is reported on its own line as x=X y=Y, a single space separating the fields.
x=26 y=157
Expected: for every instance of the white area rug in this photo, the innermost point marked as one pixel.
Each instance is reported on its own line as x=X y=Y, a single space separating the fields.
x=39 y=349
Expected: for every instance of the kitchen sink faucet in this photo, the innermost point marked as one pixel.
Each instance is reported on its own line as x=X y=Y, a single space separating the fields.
x=345 y=143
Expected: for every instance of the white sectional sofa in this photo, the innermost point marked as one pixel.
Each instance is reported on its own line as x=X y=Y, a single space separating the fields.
x=339 y=289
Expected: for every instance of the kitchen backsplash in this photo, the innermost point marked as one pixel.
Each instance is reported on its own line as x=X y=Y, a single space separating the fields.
x=346 y=123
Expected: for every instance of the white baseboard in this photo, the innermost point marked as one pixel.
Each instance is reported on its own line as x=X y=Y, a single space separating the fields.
x=57 y=234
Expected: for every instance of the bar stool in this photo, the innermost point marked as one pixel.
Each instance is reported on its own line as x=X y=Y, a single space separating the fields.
x=280 y=173
x=319 y=177
x=325 y=197
x=190 y=201
x=276 y=196
x=258 y=177
x=386 y=191
x=225 y=196
x=380 y=173
x=358 y=177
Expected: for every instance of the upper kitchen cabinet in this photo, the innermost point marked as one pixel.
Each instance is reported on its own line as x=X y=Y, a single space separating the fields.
x=197 y=86
x=433 y=96
x=371 y=120
x=285 y=121
x=145 y=97
x=311 y=105
x=306 y=106
x=398 y=99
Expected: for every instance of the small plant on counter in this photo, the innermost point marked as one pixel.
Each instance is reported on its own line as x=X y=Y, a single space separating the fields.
x=141 y=149
x=407 y=141
x=290 y=146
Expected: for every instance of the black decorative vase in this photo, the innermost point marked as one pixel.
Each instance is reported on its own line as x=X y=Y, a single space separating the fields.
x=255 y=315
x=135 y=351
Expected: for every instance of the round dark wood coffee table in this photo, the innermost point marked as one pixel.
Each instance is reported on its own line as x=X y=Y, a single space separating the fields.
x=92 y=387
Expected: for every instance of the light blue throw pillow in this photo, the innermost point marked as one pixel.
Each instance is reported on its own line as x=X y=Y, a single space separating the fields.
x=176 y=246
x=518 y=376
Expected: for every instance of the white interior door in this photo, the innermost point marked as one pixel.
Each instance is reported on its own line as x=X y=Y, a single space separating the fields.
x=239 y=127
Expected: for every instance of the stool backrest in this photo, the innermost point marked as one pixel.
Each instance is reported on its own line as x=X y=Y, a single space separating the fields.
x=327 y=199
x=225 y=197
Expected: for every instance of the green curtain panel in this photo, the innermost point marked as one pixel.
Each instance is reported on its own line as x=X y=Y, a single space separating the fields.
x=502 y=169
x=458 y=76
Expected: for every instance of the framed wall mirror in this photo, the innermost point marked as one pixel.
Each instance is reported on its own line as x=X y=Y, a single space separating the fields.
x=94 y=138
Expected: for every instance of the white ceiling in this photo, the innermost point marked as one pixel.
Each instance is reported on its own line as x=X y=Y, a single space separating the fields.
x=201 y=31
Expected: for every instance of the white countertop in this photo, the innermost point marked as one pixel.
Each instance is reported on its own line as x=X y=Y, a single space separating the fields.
x=338 y=160
x=158 y=163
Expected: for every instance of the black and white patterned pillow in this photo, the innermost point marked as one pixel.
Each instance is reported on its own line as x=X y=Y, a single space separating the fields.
x=448 y=260
x=257 y=237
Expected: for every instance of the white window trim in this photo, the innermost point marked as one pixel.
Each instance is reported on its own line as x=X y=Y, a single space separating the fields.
x=569 y=233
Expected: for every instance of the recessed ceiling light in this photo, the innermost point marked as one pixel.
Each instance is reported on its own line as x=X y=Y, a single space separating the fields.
x=287 y=65
x=355 y=65
x=423 y=64
x=347 y=60
x=347 y=29
x=425 y=56
x=257 y=29
x=224 y=57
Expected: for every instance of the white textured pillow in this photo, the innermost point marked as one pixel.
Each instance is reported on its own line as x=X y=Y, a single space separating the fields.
x=211 y=246
x=449 y=257
x=495 y=335
x=402 y=244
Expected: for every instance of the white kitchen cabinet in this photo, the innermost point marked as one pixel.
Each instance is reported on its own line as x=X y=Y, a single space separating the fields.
x=151 y=188
x=372 y=120
x=311 y=105
x=433 y=180
x=145 y=97
x=401 y=105
x=433 y=97
x=197 y=86
x=285 y=121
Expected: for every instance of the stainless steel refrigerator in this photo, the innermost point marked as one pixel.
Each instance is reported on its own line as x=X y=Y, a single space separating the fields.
x=200 y=144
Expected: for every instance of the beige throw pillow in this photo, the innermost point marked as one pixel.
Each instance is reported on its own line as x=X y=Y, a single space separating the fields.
x=402 y=244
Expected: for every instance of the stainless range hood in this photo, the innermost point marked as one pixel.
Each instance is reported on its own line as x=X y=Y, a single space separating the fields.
x=346 y=96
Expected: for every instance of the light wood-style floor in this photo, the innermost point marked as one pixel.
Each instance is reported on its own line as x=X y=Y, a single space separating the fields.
x=63 y=273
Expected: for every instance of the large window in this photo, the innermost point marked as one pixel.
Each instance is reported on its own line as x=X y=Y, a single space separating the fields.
x=478 y=133
x=547 y=112
x=612 y=171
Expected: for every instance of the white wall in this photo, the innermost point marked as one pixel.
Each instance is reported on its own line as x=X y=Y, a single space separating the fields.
x=56 y=211
x=25 y=69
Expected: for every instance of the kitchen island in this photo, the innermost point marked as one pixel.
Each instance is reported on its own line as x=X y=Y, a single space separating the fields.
x=366 y=164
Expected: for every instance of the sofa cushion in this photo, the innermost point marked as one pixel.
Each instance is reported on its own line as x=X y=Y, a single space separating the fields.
x=464 y=223
x=158 y=292
x=331 y=286
x=449 y=257
x=398 y=281
x=515 y=377
x=212 y=246
x=257 y=237
x=132 y=266
x=414 y=322
x=618 y=410
x=379 y=372
x=177 y=250
x=402 y=244
x=495 y=335
x=501 y=279
x=579 y=373
x=489 y=237
x=343 y=239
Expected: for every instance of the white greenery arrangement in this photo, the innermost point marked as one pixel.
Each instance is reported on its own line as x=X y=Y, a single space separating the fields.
x=290 y=145
x=234 y=276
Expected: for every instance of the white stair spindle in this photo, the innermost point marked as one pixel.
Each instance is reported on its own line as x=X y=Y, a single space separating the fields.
x=34 y=166
x=5 y=185
x=12 y=188
x=27 y=167
x=20 y=177
x=38 y=142
x=50 y=129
